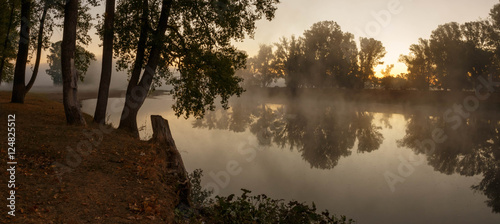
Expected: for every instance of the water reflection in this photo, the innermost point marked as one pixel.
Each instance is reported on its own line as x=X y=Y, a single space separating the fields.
x=349 y=147
x=324 y=132
x=471 y=147
x=321 y=132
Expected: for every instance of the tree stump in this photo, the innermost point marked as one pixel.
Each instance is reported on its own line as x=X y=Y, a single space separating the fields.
x=174 y=164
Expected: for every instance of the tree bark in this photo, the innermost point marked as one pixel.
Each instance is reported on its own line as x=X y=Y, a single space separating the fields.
x=141 y=46
x=174 y=164
x=7 y=39
x=107 y=63
x=128 y=119
x=136 y=93
x=70 y=79
x=22 y=54
x=38 y=49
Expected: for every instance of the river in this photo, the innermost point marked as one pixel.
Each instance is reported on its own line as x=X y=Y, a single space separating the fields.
x=365 y=161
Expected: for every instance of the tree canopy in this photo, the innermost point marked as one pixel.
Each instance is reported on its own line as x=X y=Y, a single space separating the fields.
x=188 y=45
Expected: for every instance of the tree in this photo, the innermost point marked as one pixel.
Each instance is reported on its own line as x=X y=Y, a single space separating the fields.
x=495 y=38
x=54 y=61
x=448 y=52
x=479 y=48
x=83 y=58
x=261 y=66
x=41 y=38
x=68 y=69
x=8 y=50
x=290 y=60
x=370 y=55
x=247 y=76
x=192 y=36
x=19 y=87
x=39 y=17
x=330 y=54
x=388 y=79
x=107 y=63
x=455 y=56
x=420 y=65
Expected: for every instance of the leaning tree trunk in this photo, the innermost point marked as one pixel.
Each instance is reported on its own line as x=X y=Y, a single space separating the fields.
x=70 y=79
x=174 y=164
x=22 y=54
x=7 y=39
x=38 y=49
x=107 y=62
x=128 y=119
x=137 y=92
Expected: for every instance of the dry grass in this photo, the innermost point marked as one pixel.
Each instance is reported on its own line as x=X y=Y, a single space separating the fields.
x=117 y=182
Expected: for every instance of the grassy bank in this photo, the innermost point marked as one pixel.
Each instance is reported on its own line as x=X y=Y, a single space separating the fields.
x=112 y=181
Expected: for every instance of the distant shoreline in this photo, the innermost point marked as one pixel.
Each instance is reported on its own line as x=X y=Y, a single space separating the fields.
x=380 y=96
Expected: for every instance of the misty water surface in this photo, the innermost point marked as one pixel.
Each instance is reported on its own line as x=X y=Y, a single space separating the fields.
x=339 y=155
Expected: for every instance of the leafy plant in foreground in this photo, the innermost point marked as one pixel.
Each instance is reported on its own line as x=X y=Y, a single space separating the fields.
x=248 y=208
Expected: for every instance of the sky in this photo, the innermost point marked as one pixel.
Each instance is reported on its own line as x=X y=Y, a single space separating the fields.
x=397 y=23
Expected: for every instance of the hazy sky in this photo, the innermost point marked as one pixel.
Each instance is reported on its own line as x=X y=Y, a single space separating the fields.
x=408 y=20
x=413 y=19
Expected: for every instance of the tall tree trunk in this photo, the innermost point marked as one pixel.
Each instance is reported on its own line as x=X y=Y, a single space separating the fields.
x=107 y=63
x=135 y=97
x=128 y=119
x=7 y=39
x=22 y=54
x=139 y=93
x=70 y=79
x=38 y=49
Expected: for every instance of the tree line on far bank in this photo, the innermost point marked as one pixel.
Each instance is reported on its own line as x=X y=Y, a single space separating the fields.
x=324 y=56
x=453 y=58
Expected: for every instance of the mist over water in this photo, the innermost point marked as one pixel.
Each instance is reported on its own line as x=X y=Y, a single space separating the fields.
x=44 y=83
x=324 y=150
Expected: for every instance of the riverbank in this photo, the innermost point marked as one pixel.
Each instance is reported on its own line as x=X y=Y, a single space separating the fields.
x=69 y=174
x=96 y=174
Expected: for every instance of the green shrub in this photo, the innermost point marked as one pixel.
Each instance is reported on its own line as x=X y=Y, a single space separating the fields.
x=248 y=209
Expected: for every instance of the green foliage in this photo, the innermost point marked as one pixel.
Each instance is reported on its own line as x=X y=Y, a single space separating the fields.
x=330 y=55
x=261 y=70
x=448 y=53
x=53 y=20
x=199 y=196
x=422 y=72
x=10 y=51
x=370 y=55
x=197 y=45
x=290 y=60
x=249 y=209
x=82 y=62
x=495 y=15
x=454 y=56
x=262 y=66
x=324 y=56
x=399 y=82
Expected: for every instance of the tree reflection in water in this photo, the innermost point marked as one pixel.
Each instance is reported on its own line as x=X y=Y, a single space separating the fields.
x=324 y=132
x=472 y=149
x=321 y=132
